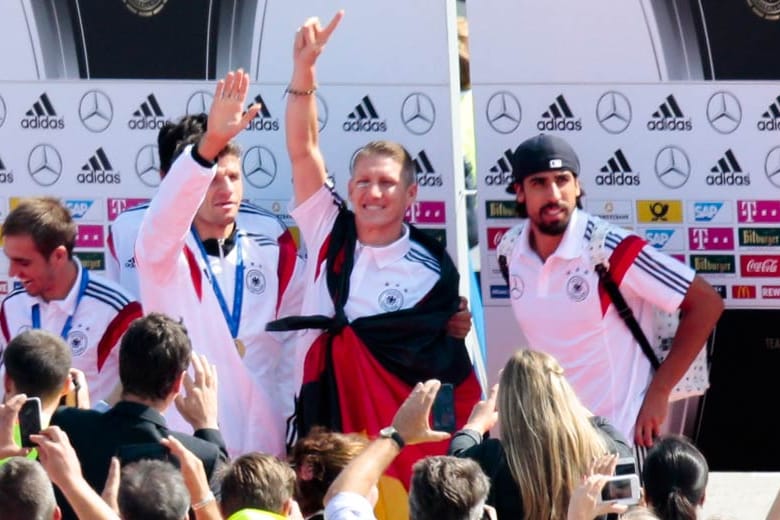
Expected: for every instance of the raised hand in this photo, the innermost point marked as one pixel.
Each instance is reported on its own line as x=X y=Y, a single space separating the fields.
x=311 y=38
x=227 y=116
x=198 y=405
x=411 y=419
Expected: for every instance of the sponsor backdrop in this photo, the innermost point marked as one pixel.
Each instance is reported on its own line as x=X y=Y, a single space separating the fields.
x=670 y=144
x=79 y=114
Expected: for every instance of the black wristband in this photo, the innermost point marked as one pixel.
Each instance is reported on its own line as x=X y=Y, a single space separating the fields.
x=199 y=158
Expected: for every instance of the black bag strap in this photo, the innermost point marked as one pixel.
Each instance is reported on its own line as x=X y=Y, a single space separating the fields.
x=626 y=313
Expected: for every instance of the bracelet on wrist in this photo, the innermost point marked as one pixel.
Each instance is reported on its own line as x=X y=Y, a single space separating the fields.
x=296 y=92
x=203 y=503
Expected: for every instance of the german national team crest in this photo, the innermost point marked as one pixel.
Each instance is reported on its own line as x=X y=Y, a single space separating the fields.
x=391 y=300
x=577 y=288
x=78 y=342
x=255 y=281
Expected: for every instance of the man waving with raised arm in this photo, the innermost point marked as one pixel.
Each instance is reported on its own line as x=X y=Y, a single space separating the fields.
x=379 y=293
x=223 y=281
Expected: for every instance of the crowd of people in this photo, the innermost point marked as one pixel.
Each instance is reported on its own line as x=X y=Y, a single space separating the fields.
x=221 y=373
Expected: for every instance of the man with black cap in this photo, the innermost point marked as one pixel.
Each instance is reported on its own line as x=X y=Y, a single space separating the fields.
x=562 y=310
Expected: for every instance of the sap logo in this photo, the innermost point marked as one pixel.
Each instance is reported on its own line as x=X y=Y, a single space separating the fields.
x=706 y=211
x=658 y=238
x=79 y=207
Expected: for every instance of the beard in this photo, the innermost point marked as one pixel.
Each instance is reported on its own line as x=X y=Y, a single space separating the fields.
x=556 y=228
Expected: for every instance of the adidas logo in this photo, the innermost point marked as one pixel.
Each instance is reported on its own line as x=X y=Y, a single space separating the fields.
x=148 y=116
x=263 y=121
x=559 y=117
x=42 y=115
x=6 y=175
x=617 y=172
x=770 y=120
x=501 y=172
x=728 y=172
x=669 y=117
x=98 y=170
x=426 y=175
x=364 y=118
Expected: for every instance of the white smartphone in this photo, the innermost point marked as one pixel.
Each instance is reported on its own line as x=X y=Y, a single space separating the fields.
x=621 y=489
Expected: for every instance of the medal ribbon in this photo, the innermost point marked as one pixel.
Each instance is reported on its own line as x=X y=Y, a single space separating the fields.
x=233 y=319
x=36 y=309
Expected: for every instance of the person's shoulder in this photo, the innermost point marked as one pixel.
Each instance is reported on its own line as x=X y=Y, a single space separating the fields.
x=69 y=418
x=203 y=449
x=615 y=440
x=255 y=219
x=15 y=297
x=109 y=295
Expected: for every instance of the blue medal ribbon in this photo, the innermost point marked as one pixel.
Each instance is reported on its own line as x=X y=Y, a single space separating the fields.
x=36 y=309
x=233 y=319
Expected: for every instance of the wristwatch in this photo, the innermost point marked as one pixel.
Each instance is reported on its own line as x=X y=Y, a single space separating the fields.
x=389 y=432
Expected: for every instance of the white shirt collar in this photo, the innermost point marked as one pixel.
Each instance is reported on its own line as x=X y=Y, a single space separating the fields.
x=386 y=255
x=571 y=243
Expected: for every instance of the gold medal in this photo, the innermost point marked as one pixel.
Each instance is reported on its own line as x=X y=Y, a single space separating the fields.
x=240 y=347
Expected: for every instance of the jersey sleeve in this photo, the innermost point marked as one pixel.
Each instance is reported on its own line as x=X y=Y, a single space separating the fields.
x=112 y=262
x=167 y=221
x=658 y=278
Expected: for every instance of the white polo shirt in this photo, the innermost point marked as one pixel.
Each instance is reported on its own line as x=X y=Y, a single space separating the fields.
x=99 y=322
x=558 y=308
x=383 y=279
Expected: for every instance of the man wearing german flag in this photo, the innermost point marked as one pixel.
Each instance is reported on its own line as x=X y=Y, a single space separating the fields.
x=379 y=293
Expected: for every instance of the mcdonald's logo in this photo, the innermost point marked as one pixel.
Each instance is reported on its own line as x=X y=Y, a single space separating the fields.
x=743 y=292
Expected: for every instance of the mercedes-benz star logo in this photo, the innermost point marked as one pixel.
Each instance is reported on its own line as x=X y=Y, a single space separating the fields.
x=259 y=166
x=724 y=112
x=44 y=164
x=3 y=111
x=772 y=166
x=418 y=113
x=613 y=112
x=322 y=111
x=199 y=103
x=147 y=165
x=503 y=112
x=95 y=110
x=672 y=166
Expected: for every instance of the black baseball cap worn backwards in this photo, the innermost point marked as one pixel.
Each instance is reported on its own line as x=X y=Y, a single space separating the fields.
x=542 y=153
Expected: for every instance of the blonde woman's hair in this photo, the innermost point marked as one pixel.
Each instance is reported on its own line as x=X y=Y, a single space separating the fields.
x=546 y=433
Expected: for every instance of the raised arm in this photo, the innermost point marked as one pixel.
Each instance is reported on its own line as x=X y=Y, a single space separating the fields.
x=301 y=125
x=167 y=222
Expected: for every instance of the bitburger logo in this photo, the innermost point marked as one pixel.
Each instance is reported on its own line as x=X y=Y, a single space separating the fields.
x=617 y=172
x=559 y=116
x=364 y=118
x=728 y=172
x=669 y=117
x=148 y=116
x=6 y=175
x=98 y=170
x=145 y=7
x=263 y=122
x=426 y=175
x=42 y=115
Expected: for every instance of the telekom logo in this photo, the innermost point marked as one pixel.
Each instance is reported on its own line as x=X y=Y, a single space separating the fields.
x=117 y=206
x=760 y=265
x=426 y=212
x=758 y=211
x=711 y=239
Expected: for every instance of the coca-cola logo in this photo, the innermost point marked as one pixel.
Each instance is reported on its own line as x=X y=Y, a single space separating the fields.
x=760 y=265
